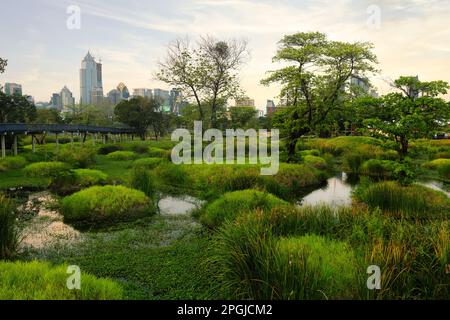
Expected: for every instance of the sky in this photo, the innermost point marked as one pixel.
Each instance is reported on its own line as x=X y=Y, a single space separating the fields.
x=411 y=37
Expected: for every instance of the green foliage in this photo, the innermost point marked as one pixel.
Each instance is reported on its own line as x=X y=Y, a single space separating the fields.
x=232 y=204
x=9 y=163
x=9 y=233
x=413 y=201
x=147 y=163
x=379 y=168
x=142 y=180
x=316 y=162
x=108 y=203
x=243 y=117
x=441 y=165
x=46 y=169
x=40 y=281
x=16 y=109
x=109 y=148
x=77 y=157
x=121 y=155
x=89 y=177
x=154 y=152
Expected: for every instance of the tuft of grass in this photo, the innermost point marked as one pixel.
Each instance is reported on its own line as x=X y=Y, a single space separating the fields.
x=315 y=161
x=46 y=169
x=108 y=204
x=11 y=163
x=77 y=156
x=121 y=155
x=109 y=148
x=232 y=204
x=412 y=201
x=379 y=168
x=147 y=163
x=155 y=152
x=9 y=233
x=142 y=180
x=40 y=281
x=442 y=166
x=89 y=177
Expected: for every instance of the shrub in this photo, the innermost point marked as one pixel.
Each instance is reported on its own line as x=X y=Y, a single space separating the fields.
x=230 y=205
x=147 y=163
x=316 y=162
x=113 y=203
x=143 y=181
x=109 y=148
x=442 y=155
x=40 y=281
x=121 y=155
x=46 y=169
x=313 y=152
x=154 y=152
x=379 y=168
x=9 y=163
x=9 y=235
x=77 y=157
x=390 y=155
x=312 y=267
x=441 y=165
x=139 y=148
x=88 y=177
x=171 y=174
x=413 y=201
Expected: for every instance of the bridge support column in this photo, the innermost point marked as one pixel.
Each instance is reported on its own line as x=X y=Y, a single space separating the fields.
x=94 y=137
x=3 y=146
x=15 y=146
x=33 y=143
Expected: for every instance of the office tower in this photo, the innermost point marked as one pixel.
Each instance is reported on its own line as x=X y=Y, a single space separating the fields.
x=13 y=88
x=91 y=83
x=124 y=93
x=67 y=99
x=56 y=102
x=175 y=100
x=114 y=97
x=142 y=92
x=270 y=107
x=245 y=102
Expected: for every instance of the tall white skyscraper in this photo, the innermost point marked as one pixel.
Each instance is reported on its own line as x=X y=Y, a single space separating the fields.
x=91 y=86
x=67 y=99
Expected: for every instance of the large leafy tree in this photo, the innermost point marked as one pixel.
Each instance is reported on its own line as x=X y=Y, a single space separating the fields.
x=414 y=111
x=139 y=113
x=314 y=80
x=207 y=71
x=16 y=109
x=243 y=117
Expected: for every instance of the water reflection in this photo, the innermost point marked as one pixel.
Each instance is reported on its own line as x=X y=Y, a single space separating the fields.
x=337 y=192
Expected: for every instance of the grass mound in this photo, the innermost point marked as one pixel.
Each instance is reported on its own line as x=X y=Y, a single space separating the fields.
x=40 y=281
x=121 y=155
x=46 y=169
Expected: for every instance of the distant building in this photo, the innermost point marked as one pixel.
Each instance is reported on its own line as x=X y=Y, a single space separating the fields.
x=67 y=99
x=245 y=102
x=142 y=92
x=270 y=107
x=56 y=102
x=13 y=88
x=30 y=99
x=163 y=97
x=114 y=97
x=124 y=93
x=360 y=82
x=175 y=100
x=91 y=83
x=42 y=105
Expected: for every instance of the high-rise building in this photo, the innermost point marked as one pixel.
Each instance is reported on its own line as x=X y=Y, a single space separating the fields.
x=175 y=100
x=13 y=88
x=56 y=102
x=245 y=102
x=142 y=92
x=163 y=97
x=114 y=97
x=360 y=82
x=270 y=107
x=124 y=93
x=91 y=83
x=67 y=99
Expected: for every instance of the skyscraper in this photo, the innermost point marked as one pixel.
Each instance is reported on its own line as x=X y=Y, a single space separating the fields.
x=13 y=88
x=245 y=102
x=91 y=83
x=124 y=92
x=67 y=99
x=142 y=92
x=56 y=102
x=270 y=107
x=114 y=97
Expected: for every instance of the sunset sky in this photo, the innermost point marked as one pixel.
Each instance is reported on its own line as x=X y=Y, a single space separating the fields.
x=413 y=37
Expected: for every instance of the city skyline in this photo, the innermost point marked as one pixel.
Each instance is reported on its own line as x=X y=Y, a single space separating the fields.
x=130 y=38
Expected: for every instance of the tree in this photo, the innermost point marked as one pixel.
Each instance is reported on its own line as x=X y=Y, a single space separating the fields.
x=243 y=117
x=16 y=109
x=414 y=111
x=3 y=64
x=314 y=81
x=139 y=113
x=206 y=71
x=48 y=116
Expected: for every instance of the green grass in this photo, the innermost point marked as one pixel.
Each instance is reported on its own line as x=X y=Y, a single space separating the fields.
x=315 y=161
x=153 y=258
x=107 y=204
x=40 y=281
x=231 y=205
x=9 y=163
x=77 y=157
x=89 y=177
x=9 y=230
x=442 y=166
x=147 y=163
x=413 y=201
x=18 y=179
x=379 y=168
x=118 y=171
x=46 y=169
x=121 y=155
